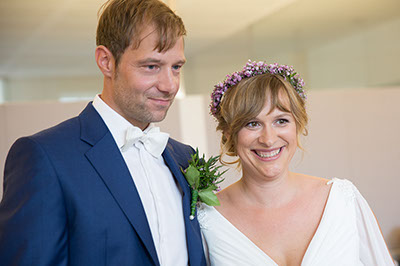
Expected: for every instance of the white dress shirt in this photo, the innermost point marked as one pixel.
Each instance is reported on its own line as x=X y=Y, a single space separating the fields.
x=160 y=194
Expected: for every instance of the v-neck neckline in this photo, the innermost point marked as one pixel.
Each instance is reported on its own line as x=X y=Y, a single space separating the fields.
x=317 y=231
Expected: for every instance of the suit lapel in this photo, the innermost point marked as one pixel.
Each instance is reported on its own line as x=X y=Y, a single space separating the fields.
x=109 y=163
x=193 y=237
x=175 y=169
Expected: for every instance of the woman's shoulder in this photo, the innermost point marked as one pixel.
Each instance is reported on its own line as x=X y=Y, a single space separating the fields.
x=315 y=182
x=341 y=185
x=310 y=179
x=312 y=183
x=345 y=188
x=342 y=182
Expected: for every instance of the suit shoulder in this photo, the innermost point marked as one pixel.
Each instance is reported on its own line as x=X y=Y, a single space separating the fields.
x=70 y=128
x=179 y=147
x=61 y=131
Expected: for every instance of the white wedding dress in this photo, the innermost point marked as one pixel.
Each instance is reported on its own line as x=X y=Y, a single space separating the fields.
x=348 y=234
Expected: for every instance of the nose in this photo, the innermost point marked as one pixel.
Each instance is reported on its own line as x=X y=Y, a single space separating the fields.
x=268 y=136
x=168 y=81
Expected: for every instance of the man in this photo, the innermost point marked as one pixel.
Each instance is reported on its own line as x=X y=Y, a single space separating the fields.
x=100 y=189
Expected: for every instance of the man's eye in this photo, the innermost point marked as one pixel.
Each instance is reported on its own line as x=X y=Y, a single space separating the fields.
x=151 y=67
x=177 y=67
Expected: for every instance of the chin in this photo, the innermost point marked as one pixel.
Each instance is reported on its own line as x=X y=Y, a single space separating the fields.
x=158 y=117
x=273 y=173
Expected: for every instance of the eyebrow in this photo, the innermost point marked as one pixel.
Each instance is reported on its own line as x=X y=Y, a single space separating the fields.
x=181 y=62
x=279 y=113
x=153 y=60
x=149 y=60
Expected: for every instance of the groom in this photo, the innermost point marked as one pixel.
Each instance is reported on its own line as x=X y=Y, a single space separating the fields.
x=105 y=188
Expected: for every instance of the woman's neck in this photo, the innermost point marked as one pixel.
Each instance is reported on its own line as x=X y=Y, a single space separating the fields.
x=267 y=193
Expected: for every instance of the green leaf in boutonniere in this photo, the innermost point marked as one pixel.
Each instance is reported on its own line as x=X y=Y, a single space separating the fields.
x=192 y=176
x=208 y=197
x=203 y=178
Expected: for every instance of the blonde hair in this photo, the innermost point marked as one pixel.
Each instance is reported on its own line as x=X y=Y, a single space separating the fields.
x=244 y=101
x=121 y=23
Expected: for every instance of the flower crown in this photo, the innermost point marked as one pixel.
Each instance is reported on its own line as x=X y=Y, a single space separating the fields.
x=252 y=69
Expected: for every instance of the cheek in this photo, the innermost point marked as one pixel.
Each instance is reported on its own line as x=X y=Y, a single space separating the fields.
x=145 y=83
x=241 y=138
x=245 y=138
x=291 y=135
x=138 y=82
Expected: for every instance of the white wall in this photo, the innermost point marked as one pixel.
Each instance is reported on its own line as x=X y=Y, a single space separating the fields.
x=353 y=134
x=43 y=88
x=2 y=98
x=366 y=59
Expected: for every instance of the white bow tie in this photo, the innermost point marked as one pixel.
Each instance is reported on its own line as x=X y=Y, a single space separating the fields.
x=153 y=140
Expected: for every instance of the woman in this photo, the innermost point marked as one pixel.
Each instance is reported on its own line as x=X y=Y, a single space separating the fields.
x=273 y=216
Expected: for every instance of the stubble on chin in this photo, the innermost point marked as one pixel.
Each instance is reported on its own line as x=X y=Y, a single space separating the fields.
x=144 y=114
x=141 y=111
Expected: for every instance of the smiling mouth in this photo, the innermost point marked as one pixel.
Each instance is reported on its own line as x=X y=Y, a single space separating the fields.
x=162 y=101
x=269 y=154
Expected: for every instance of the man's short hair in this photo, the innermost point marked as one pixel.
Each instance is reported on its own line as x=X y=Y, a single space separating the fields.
x=121 y=23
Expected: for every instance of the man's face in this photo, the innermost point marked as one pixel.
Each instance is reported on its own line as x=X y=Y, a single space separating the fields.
x=146 y=81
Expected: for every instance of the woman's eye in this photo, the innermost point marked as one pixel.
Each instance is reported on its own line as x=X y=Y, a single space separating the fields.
x=252 y=124
x=282 y=121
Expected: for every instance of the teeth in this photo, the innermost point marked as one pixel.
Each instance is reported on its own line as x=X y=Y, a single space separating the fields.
x=268 y=154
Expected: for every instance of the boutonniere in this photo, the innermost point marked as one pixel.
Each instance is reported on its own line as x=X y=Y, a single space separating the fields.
x=203 y=178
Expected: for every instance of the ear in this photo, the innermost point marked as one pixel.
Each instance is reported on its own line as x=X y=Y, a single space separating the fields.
x=226 y=135
x=105 y=61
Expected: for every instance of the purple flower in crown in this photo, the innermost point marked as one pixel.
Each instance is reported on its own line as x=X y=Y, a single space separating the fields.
x=251 y=69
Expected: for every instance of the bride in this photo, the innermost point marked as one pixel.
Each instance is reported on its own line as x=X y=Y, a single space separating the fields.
x=273 y=216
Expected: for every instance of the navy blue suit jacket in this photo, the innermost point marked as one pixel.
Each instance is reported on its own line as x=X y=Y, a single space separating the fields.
x=69 y=199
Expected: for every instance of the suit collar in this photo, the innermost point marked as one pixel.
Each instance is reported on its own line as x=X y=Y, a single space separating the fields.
x=93 y=127
x=175 y=167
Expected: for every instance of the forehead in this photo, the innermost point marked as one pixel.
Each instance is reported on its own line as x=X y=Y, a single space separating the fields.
x=149 y=39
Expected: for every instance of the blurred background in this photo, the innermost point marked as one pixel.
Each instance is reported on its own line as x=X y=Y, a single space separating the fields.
x=347 y=51
x=47 y=46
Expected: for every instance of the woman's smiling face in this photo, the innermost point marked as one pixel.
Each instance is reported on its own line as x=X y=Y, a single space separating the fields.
x=267 y=143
